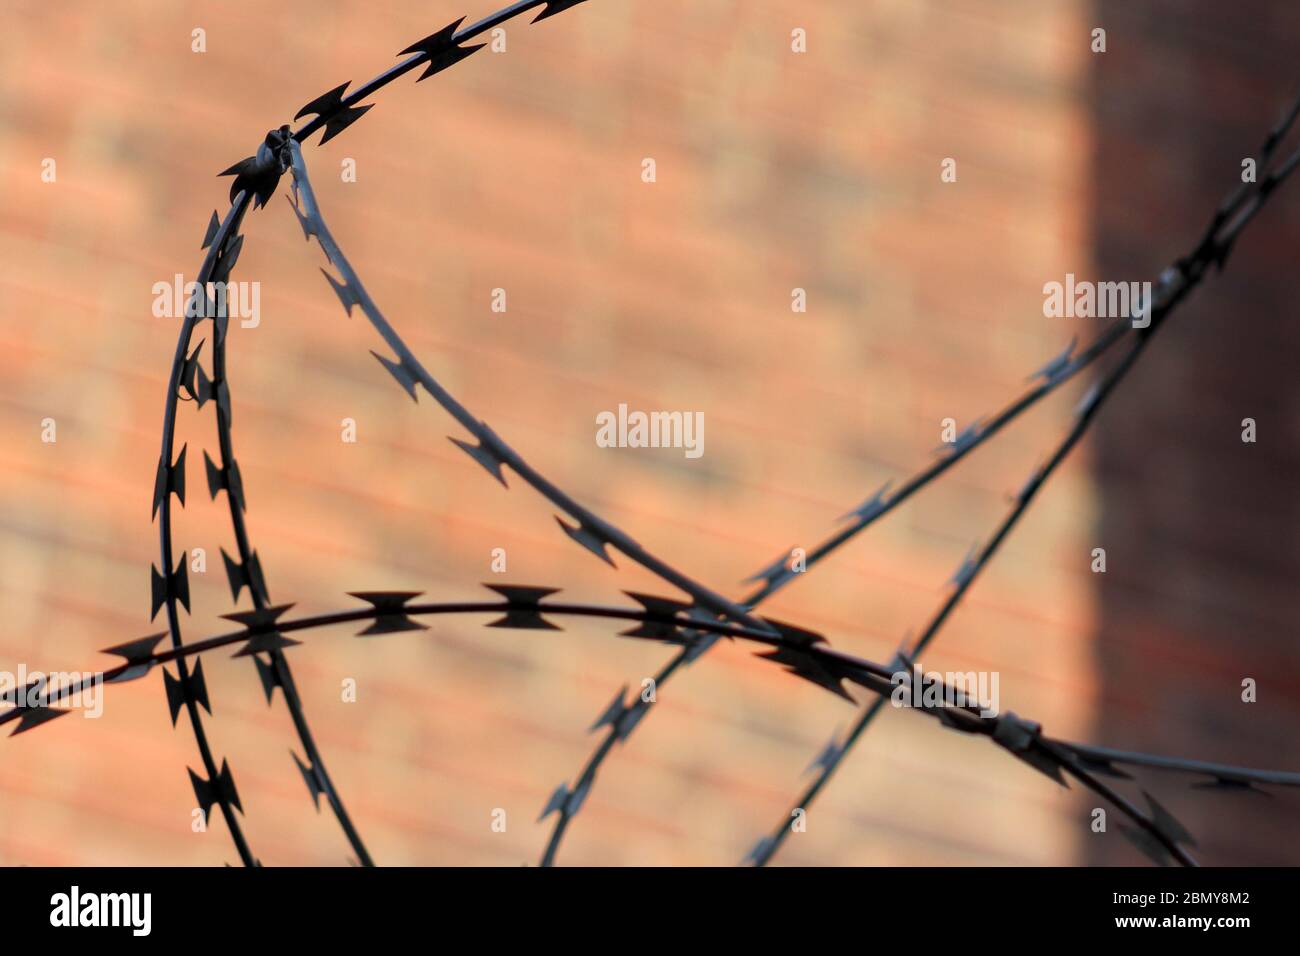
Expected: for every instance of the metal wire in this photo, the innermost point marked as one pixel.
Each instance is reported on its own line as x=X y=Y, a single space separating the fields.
x=1176 y=282
x=693 y=626
x=804 y=654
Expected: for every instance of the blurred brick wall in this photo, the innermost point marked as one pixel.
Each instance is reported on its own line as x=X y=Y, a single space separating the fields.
x=1200 y=527
x=521 y=171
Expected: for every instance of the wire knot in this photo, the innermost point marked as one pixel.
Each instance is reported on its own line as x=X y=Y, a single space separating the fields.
x=260 y=173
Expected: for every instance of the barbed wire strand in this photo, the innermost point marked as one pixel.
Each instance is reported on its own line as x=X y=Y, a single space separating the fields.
x=352 y=289
x=1175 y=284
x=274 y=671
x=802 y=653
x=1055 y=373
x=170 y=588
x=1059 y=370
x=592 y=532
x=255 y=179
x=779 y=573
x=191 y=689
x=829 y=760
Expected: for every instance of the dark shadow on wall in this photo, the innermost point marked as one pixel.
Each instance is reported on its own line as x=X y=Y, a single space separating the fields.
x=1201 y=530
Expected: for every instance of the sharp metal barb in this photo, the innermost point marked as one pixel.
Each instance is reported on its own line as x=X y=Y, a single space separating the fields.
x=1167 y=824
x=870 y=509
x=441 y=50
x=34 y=717
x=555 y=6
x=268 y=675
x=525 y=610
x=314 y=785
x=392 y=617
x=173 y=587
x=559 y=799
x=245 y=575
x=213 y=225
x=613 y=713
x=219 y=789
x=590 y=538
x=773 y=571
x=192 y=375
x=169 y=480
x=138 y=655
x=485 y=456
x=330 y=108
x=263 y=635
x=182 y=690
x=404 y=376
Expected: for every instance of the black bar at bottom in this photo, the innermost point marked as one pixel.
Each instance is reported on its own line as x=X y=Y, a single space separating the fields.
x=323 y=907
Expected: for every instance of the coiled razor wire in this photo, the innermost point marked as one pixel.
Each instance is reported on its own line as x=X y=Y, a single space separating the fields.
x=693 y=626
x=803 y=653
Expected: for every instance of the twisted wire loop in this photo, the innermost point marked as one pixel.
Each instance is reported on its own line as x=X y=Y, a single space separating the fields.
x=803 y=654
x=189 y=689
x=1175 y=283
x=255 y=180
x=170 y=587
x=272 y=667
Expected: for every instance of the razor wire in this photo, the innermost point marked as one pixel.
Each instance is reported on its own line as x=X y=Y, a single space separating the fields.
x=247 y=573
x=1175 y=283
x=780 y=572
x=693 y=626
x=802 y=653
x=255 y=180
x=170 y=589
